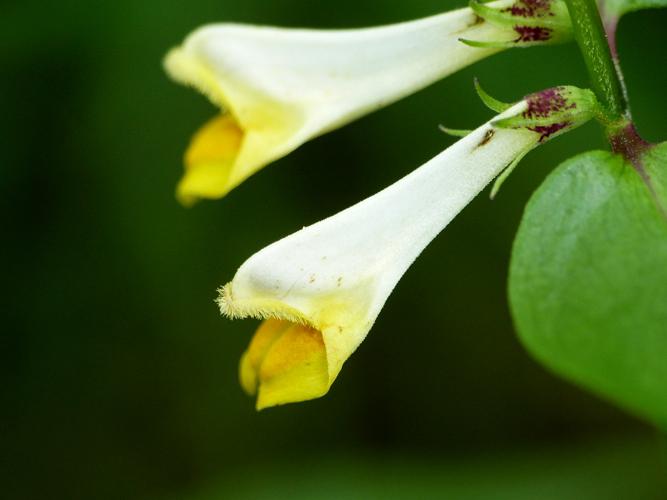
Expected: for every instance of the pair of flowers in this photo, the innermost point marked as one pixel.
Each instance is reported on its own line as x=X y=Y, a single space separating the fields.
x=319 y=290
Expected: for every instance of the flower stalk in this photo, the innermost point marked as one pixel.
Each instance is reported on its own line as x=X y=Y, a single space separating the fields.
x=605 y=80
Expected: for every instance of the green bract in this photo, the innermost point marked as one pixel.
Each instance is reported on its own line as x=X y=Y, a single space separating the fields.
x=588 y=278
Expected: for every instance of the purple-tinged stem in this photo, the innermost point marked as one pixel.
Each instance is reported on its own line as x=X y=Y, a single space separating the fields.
x=628 y=143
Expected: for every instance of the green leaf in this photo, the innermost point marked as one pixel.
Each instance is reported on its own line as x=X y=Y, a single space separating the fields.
x=616 y=8
x=588 y=278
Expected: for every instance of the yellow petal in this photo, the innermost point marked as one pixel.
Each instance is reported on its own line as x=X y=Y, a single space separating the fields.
x=209 y=160
x=247 y=375
x=287 y=361
x=252 y=358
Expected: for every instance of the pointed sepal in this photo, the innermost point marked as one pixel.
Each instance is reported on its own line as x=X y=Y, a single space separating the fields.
x=491 y=102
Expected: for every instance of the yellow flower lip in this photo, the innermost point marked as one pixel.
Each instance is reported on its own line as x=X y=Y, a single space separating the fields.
x=295 y=355
x=284 y=363
x=252 y=130
x=210 y=159
x=287 y=359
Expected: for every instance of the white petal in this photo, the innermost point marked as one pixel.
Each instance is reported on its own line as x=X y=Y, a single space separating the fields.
x=286 y=86
x=337 y=274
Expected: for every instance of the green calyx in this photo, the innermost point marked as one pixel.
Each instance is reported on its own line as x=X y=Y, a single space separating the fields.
x=526 y=23
x=550 y=113
x=554 y=111
x=536 y=13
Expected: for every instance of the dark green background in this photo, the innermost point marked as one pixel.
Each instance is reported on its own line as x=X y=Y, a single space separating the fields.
x=119 y=375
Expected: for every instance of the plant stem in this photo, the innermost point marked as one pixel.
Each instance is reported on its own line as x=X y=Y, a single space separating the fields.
x=592 y=40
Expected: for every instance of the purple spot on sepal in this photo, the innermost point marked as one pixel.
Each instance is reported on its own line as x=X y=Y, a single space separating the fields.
x=532 y=34
x=531 y=8
x=543 y=104
x=547 y=131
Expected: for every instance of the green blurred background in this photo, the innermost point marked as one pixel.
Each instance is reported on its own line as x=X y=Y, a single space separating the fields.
x=119 y=375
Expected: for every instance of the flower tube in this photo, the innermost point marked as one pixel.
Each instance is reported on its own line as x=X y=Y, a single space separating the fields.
x=320 y=289
x=278 y=88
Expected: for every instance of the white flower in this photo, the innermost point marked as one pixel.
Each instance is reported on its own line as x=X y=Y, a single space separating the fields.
x=278 y=88
x=321 y=288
